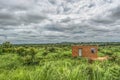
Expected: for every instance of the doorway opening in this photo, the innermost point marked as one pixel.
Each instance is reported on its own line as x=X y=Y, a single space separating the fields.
x=80 y=52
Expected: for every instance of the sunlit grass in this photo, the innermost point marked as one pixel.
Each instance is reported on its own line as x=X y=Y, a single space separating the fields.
x=58 y=65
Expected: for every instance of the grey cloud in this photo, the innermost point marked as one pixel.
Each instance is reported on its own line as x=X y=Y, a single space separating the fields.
x=111 y=18
x=103 y=21
x=6 y=15
x=115 y=13
x=41 y=21
x=54 y=27
x=52 y=2
x=32 y=18
x=60 y=27
x=17 y=5
x=9 y=18
x=66 y=20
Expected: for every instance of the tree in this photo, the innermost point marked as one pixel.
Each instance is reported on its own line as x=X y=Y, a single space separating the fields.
x=6 y=44
x=7 y=47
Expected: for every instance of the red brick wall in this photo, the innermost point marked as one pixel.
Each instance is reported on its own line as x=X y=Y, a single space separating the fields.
x=86 y=51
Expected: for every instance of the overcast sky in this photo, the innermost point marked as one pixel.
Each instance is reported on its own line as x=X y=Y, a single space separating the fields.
x=46 y=21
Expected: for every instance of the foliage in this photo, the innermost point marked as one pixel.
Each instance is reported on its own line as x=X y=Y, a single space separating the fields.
x=21 y=51
x=1 y=50
x=7 y=47
x=115 y=73
x=45 y=53
x=36 y=62
x=27 y=54
x=6 y=44
x=51 y=49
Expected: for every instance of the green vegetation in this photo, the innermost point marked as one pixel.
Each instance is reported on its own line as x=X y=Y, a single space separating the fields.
x=55 y=62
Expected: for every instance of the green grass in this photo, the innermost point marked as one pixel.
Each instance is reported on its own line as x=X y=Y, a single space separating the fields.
x=59 y=64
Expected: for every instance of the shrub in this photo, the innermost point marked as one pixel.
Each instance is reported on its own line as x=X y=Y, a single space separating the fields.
x=32 y=52
x=27 y=55
x=44 y=53
x=21 y=51
x=7 y=47
x=109 y=53
x=115 y=58
x=27 y=59
x=1 y=51
x=52 y=49
x=8 y=50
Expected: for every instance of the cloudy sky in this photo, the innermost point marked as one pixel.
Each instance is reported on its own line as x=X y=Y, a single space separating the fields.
x=49 y=21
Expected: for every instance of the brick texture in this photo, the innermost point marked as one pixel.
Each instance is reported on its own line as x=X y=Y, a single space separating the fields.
x=86 y=51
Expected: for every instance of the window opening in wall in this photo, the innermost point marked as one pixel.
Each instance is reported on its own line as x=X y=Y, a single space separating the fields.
x=93 y=50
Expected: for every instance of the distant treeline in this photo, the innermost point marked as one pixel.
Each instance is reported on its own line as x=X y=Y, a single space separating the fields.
x=71 y=44
x=62 y=44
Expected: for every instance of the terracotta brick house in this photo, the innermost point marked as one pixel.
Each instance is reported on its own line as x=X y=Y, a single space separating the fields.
x=85 y=51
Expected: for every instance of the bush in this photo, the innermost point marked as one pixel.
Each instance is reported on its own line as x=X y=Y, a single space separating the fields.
x=32 y=52
x=27 y=59
x=116 y=59
x=7 y=47
x=44 y=53
x=27 y=55
x=21 y=51
x=109 y=53
x=52 y=49
x=8 y=50
x=1 y=51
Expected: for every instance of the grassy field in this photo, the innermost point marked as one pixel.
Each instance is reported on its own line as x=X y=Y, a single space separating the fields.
x=55 y=62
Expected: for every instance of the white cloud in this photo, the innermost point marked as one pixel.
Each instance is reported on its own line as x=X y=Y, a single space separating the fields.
x=38 y=21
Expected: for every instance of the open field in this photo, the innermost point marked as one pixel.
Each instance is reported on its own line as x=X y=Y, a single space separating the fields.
x=55 y=62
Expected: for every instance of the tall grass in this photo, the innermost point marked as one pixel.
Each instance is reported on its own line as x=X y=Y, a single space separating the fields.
x=57 y=64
